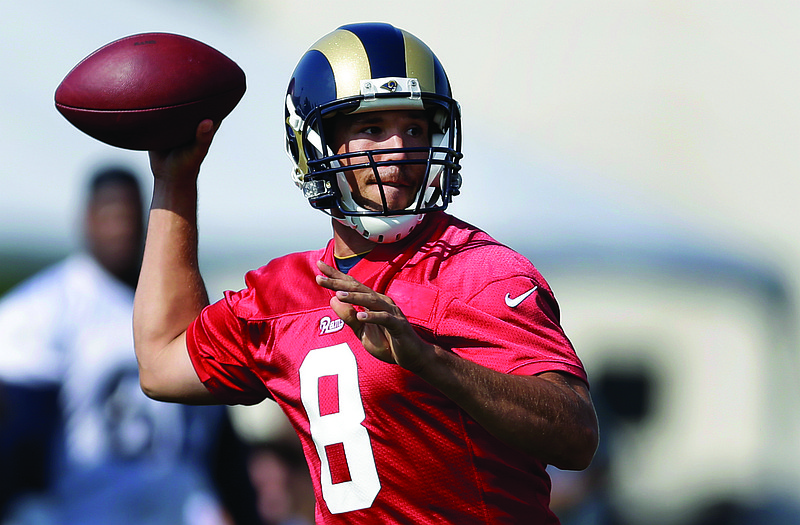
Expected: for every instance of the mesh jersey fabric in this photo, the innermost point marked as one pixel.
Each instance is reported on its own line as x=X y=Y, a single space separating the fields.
x=383 y=446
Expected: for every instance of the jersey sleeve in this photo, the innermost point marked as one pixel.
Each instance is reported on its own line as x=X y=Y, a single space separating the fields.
x=510 y=325
x=221 y=348
x=517 y=321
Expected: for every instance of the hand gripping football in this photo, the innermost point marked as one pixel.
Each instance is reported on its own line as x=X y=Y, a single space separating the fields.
x=149 y=91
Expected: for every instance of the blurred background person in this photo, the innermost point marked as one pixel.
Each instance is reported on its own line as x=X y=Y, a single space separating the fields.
x=79 y=441
x=276 y=465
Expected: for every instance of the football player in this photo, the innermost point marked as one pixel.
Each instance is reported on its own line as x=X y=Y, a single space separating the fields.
x=420 y=361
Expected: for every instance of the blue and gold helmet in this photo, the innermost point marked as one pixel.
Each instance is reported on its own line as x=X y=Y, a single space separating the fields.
x=370 y=67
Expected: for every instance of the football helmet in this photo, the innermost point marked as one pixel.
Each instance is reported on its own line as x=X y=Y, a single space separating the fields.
x=371 y=67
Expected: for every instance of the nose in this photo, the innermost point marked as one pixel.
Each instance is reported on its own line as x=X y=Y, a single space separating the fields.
x=394 y=152
x=394 y=141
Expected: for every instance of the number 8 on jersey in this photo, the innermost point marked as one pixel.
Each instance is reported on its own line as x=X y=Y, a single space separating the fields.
x=331 y=397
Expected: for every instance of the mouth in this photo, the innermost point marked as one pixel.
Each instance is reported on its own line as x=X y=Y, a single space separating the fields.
x=393 y=184
x=390 y=188
x=394 y=179
x=398 y=194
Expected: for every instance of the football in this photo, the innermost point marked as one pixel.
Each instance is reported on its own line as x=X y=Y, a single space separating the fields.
x=149 y=91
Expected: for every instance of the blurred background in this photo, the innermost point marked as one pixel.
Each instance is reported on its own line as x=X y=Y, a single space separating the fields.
x=642 y=153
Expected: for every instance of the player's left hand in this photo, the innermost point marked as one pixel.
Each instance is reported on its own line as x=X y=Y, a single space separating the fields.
x=375 y=319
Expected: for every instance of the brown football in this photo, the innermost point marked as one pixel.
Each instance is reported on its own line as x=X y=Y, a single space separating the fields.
x=150 y=91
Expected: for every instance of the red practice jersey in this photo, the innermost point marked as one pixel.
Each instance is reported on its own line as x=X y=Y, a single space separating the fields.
x=382 y=445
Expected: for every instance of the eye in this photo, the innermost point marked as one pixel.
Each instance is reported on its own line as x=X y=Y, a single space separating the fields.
x=416 y=131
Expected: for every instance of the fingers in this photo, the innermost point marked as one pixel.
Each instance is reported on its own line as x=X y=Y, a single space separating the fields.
x=350 y=291
x=346 y=313
x=375 y=319
x=335 y=280
x=184 y=161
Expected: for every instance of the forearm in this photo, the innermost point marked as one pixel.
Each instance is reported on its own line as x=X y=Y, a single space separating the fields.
x=170 y=293
x=549 y=416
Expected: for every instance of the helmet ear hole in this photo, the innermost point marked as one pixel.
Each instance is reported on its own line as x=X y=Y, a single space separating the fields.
x=328 y=131
x=291 y=144
x=438 y=118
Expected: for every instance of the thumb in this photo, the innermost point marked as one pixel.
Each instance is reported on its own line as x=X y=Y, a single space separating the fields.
x=346 y=313
x=205 y=132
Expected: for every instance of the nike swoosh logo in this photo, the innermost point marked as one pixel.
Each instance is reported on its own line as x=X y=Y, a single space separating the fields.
x=513 y=302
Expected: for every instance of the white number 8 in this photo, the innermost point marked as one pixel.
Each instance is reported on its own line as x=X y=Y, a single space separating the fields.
x=340 y=428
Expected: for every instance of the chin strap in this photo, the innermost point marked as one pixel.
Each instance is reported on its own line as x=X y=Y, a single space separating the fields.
x=382 y=230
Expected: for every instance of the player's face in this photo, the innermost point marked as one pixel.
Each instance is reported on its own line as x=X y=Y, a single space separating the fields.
x=383 y=130
x=114 y=227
